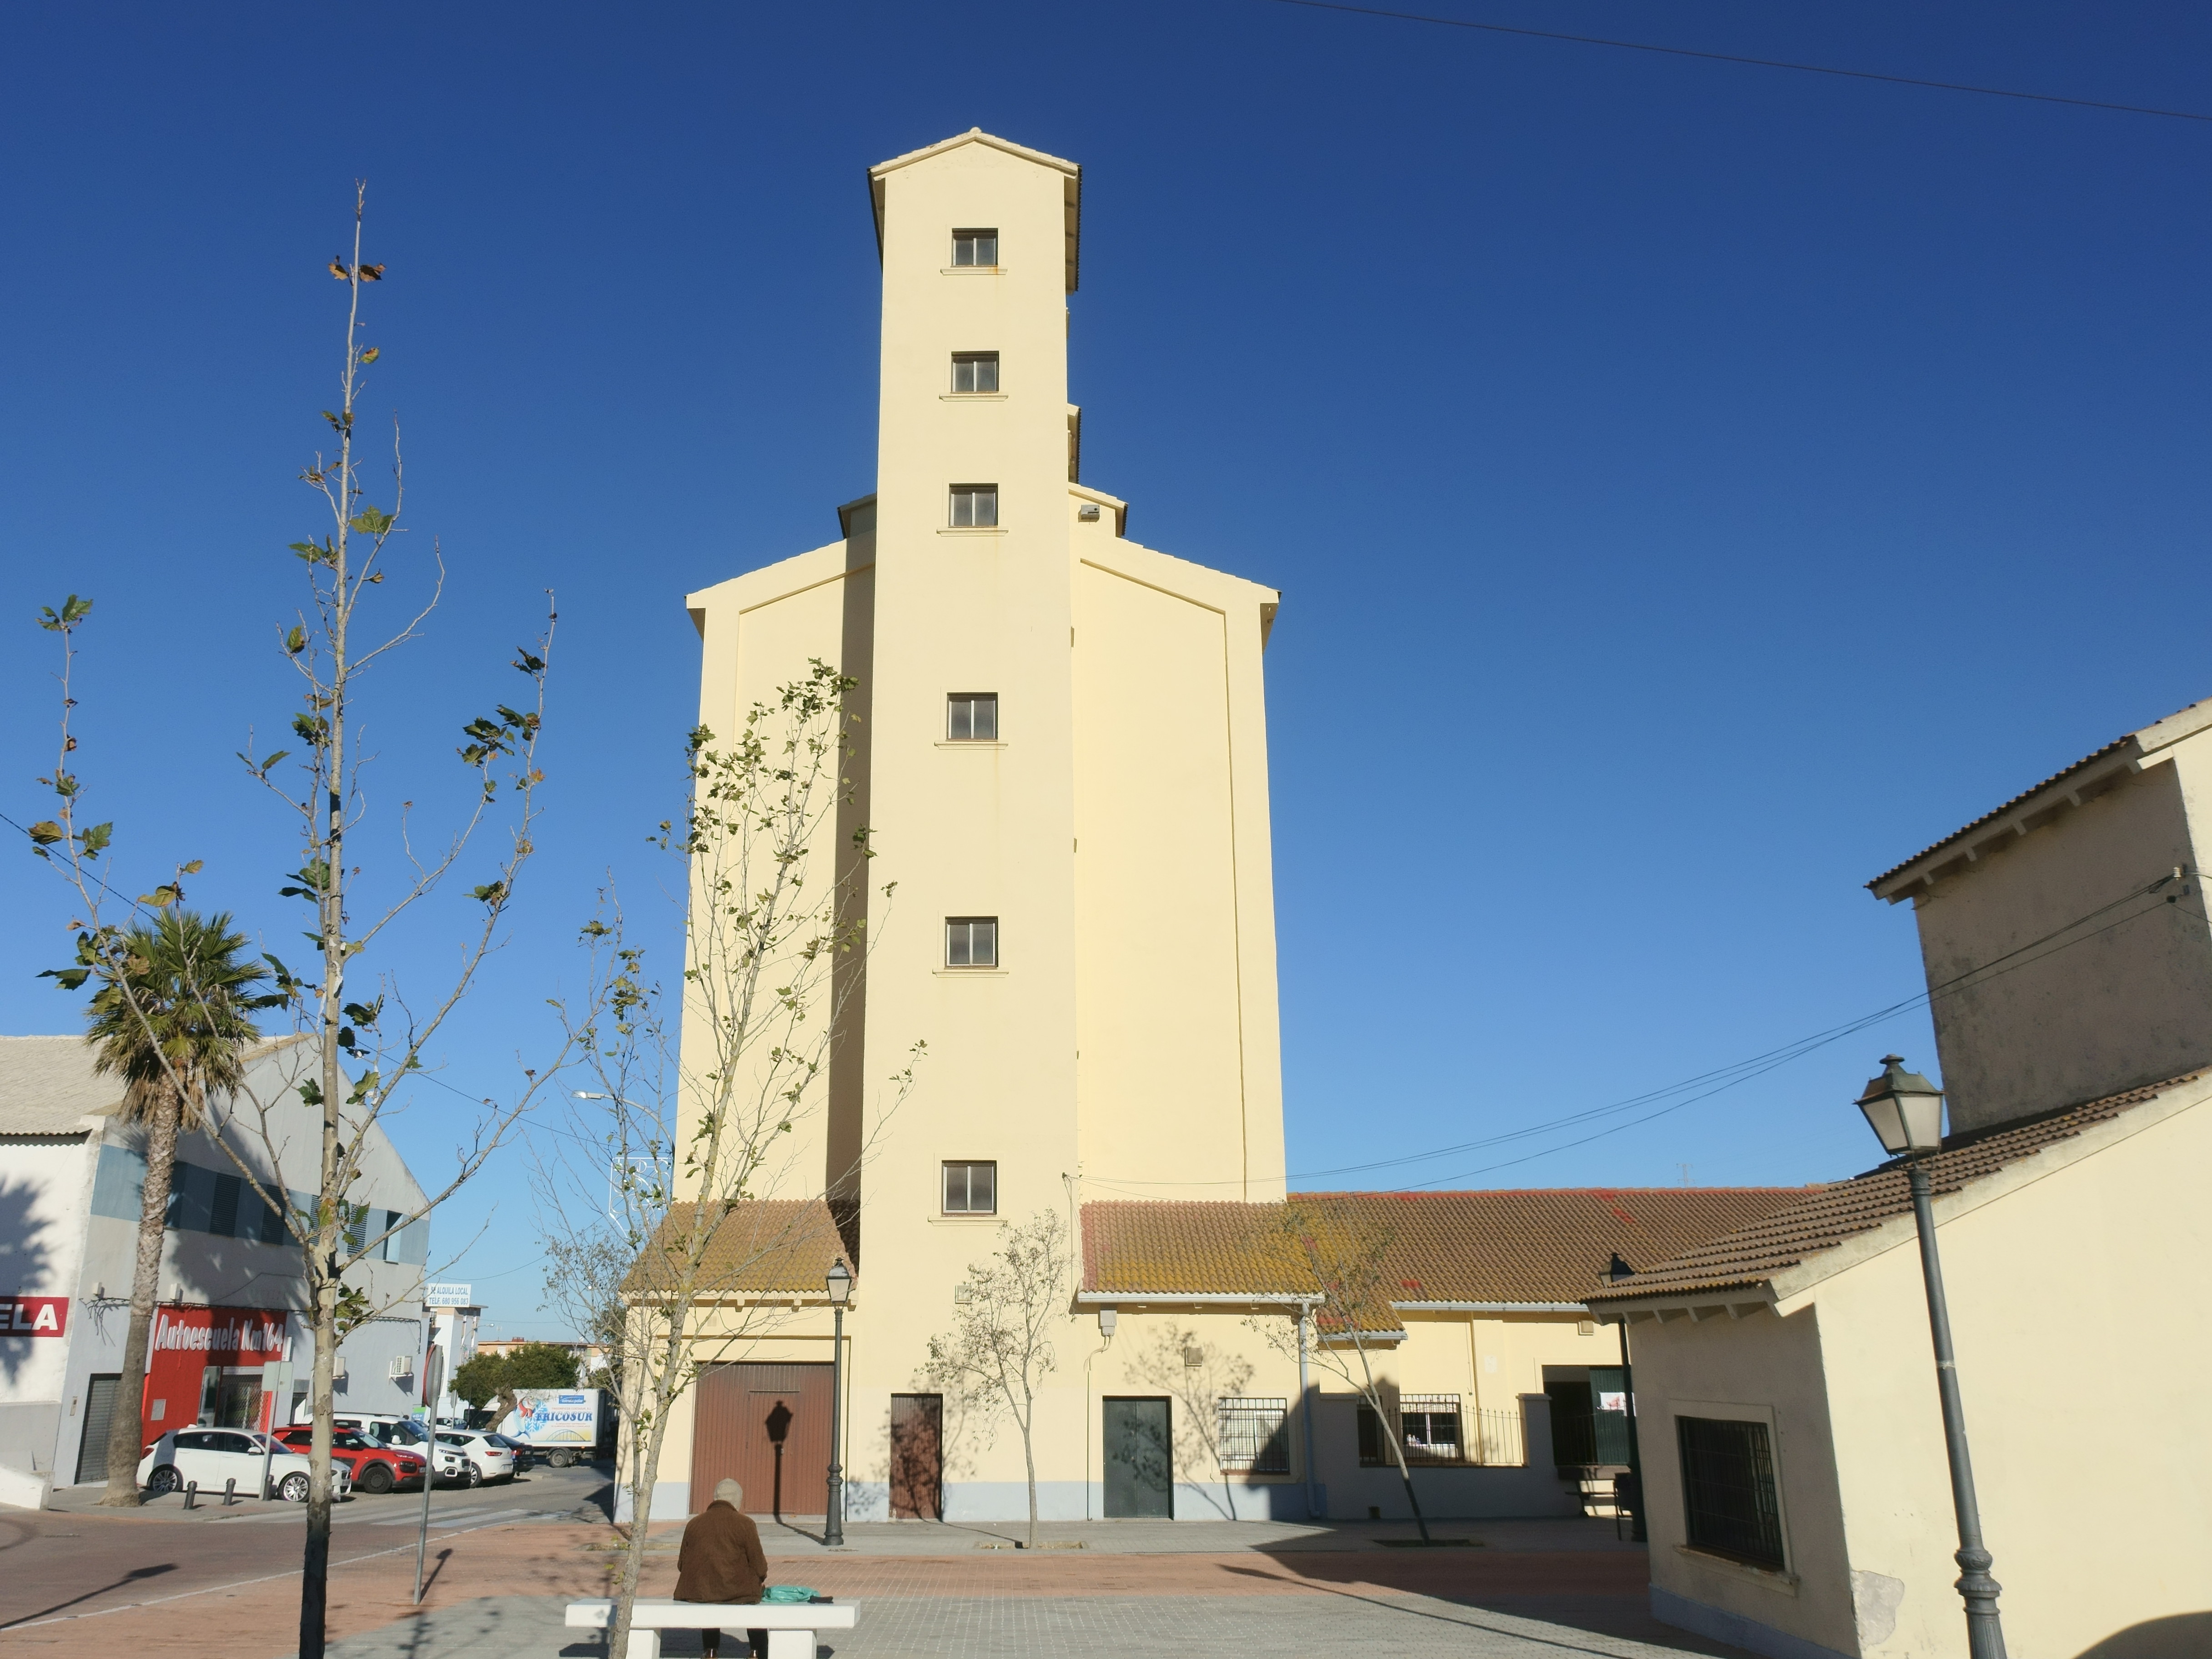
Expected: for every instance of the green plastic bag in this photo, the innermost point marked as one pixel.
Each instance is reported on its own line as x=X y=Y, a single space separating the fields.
x=789 y=1593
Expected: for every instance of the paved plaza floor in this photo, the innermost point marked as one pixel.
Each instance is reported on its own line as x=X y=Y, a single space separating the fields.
x=503 y=1564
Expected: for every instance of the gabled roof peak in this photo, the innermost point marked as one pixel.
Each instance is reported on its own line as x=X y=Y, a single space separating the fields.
x=973 y=135
x=1072 y=171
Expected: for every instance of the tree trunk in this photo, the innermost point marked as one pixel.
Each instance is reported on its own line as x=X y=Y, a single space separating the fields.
x=644 y=1475
x=126 y=1444
x=1029 y=1461
x=1406 y=1475
x=315 y=1585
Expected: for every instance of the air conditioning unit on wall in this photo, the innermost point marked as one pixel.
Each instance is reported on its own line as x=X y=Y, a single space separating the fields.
x=401 y=1368
x=338 y=1368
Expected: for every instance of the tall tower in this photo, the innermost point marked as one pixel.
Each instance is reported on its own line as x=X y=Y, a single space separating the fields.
x=1063 y=763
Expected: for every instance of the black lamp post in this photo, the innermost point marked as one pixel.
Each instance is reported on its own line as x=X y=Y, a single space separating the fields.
x=840 y=1281
x=1906 y=1113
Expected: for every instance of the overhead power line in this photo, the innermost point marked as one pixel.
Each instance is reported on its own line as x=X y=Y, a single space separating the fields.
x=1706 y=1084
x=1752 y=63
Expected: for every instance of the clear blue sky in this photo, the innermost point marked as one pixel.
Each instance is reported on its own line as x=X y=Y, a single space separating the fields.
x=1694 y=488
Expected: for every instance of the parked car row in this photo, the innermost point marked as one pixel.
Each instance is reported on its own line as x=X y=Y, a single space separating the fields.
x=373 y=1454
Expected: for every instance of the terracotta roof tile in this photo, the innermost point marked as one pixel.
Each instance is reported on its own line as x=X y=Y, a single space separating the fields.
x=1966 y=829
x=1531 y=1246
x=1789 y=1236
x=781 y=1246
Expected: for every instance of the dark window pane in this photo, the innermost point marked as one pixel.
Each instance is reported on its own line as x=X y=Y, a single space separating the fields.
x=983 y=946
x=1370 y=1438
x=982 y=1188
x=960 y=719
x=222 y=1213
x=986 y=720
x=1728 y=1496
x=955 y=945
x=986 y=507
x=956 y=1188
x=985 y=372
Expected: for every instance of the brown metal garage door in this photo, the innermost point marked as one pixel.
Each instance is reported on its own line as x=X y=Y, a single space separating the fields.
x=768 y=1427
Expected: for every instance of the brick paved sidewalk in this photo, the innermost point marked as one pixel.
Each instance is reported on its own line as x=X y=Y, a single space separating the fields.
x=498 y=1592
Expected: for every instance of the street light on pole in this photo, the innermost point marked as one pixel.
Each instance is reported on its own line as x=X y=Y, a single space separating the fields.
x=1905 y=1111
x=839 y=1284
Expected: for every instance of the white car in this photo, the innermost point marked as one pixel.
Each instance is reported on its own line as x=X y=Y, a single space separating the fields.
x=488 y=1458
x=210 y=1456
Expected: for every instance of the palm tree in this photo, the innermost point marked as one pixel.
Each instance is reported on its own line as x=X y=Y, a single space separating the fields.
x=173 y=1023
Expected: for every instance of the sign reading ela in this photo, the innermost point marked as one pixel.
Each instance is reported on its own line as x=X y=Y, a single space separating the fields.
x=33 y=1315
x=446 y=1296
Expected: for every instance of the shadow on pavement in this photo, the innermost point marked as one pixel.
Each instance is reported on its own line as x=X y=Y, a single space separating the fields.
x=1601 y=1595
x=134 y=1575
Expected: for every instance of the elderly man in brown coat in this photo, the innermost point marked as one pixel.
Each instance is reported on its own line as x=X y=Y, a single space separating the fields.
x=721 y=1561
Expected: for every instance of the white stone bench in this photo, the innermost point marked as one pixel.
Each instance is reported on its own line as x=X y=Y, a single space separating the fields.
x=791 y=1625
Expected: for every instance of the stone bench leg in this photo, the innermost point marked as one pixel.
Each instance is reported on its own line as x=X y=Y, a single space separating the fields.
x=791 y=1645
x=645 y=1643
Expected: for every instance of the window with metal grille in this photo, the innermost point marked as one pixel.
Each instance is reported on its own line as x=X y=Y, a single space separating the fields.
x=975 y=247
x=974 y=506
x=974 y=371
x=972 y=717
x=971 y=941
x=971 y=1188
x=1728 y=1489
x=1429 y=1425
x=1253 y=1435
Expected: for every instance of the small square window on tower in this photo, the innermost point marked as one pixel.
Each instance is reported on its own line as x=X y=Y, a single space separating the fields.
x=971 y=941
x=974 y=371
x=974 y=506
x=974 y=247
x=972 y=717
x=971 y=1188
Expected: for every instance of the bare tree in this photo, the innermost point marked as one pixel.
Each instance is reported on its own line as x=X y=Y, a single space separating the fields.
x=1198 y=1375
x=365 y=1041
x=999 y=1351
x=695 y=1196
x=1325 y=1245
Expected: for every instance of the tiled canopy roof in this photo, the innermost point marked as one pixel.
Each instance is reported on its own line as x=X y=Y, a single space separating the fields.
x=1531 y=1248
x=772 y=1245
x=1752 y=1254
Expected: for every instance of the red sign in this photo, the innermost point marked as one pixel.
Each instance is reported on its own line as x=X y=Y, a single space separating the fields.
x=189 y=1343
x=33 y=1315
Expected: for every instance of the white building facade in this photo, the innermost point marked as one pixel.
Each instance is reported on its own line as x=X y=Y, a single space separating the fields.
x=231 y=1297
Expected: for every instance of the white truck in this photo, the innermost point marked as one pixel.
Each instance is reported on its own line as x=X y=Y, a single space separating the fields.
x=562 y=1425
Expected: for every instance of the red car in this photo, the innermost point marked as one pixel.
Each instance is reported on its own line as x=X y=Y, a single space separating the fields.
x=375 y=1468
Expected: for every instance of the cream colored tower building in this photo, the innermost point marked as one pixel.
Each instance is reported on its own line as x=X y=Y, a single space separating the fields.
x=1064 y=763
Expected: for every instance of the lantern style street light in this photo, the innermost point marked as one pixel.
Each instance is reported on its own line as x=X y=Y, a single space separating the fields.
x=839 y=1281
x=1905 y=1111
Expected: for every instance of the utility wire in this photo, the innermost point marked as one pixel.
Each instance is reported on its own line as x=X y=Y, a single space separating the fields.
x=1726 y=1076
x=1755 y=63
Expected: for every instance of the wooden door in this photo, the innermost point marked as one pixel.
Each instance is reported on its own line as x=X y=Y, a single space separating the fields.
x=917 y=1457
x=767 y=1427
x=1140 y=1467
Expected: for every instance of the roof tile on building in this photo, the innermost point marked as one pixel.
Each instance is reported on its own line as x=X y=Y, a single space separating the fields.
x=1996 y=813
x=47 y=1085
x=777 y=1246
x=1828 y=1216
x=1531 y=1247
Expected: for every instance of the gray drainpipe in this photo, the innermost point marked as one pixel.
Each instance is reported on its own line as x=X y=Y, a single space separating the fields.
x=1305 y=1414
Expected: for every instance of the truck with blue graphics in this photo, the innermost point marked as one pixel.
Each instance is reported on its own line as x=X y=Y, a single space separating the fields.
x=563 y=1425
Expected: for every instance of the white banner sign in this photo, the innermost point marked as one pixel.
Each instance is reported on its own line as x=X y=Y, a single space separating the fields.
x=446 y=1296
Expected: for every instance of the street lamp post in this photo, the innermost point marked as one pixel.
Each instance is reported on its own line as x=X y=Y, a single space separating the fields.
x=1905 y=1111
x=839 y=1282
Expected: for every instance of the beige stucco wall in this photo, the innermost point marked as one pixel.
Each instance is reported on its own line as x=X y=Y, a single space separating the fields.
x=2080 y=1353
x=1761 y=1367
x=1118 y=829
x=2117 y=1006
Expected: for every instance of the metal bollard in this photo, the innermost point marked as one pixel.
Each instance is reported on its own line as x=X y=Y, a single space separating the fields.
x=192 y=1492
x=229 y=1491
